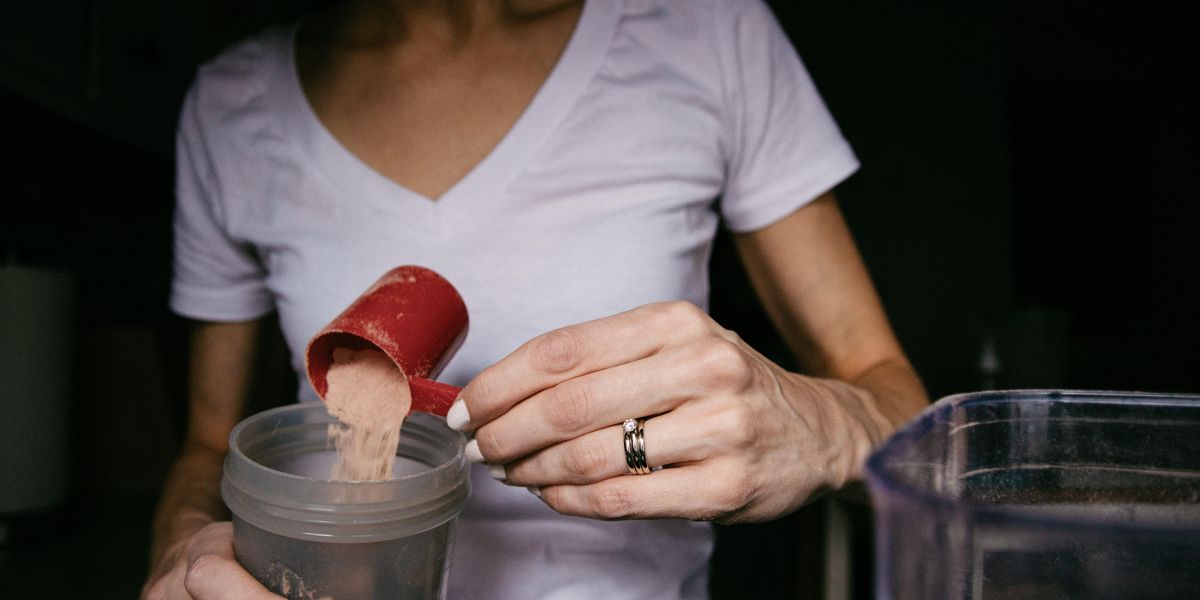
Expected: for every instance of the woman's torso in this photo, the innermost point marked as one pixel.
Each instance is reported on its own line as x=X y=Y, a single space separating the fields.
x=597 y=196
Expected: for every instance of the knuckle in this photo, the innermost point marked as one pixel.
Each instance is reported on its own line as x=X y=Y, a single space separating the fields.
x=734 y=492
x=549 y=495
x=683 y=315
x=492 y=445
x=723 y=362
x=613 y=501
x=553 y=497
x=729 y=501
x=729 y=335
x=557 y=351
x=586 y=459
x=737 y=426
x=570 y=406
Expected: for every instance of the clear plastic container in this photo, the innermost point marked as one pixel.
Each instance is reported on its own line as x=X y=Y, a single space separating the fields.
x=306 y=537
x=1039 y=494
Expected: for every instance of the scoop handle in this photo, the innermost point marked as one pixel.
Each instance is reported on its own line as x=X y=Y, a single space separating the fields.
x=431 y=396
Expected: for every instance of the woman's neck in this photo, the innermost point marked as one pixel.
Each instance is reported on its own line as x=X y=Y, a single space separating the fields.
x=365 y=23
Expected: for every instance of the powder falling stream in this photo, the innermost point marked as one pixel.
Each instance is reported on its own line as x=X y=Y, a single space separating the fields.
x=369 y=398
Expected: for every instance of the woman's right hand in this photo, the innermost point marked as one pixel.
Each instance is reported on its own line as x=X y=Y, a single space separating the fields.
x=203 y=567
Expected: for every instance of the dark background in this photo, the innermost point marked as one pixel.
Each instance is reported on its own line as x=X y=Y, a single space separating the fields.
x=1028 y=174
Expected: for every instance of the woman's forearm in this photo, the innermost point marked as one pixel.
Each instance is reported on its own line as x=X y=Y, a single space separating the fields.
x=191 y=499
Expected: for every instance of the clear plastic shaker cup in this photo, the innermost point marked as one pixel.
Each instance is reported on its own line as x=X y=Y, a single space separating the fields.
x=307 y=537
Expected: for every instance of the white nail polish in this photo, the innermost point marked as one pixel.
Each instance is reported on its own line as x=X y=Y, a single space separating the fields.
x=472 y=452
x=498 y=473
x=535 y=490
x=458 y=417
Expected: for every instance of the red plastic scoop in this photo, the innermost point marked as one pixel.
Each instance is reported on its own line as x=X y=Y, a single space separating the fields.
x=415 y=317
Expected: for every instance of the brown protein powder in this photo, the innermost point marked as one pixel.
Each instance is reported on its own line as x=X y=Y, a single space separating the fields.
x=369 y=398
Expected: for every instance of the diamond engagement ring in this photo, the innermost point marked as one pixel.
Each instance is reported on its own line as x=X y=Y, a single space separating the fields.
x=635 y=446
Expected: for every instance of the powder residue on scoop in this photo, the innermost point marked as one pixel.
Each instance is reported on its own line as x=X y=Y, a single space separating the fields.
x=369 y=398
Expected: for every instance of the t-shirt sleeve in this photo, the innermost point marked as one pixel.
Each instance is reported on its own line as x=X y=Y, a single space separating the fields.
x=785 y=149
x=216 y=278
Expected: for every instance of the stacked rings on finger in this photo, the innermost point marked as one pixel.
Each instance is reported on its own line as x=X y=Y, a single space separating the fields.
x=635 y=446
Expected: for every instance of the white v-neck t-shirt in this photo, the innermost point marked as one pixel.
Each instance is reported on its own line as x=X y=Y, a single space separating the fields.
x=602 y=197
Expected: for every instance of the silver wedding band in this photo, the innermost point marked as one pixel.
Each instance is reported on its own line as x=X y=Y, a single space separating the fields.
x=635 y=446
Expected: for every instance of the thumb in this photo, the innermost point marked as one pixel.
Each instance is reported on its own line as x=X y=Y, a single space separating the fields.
x=213 y=572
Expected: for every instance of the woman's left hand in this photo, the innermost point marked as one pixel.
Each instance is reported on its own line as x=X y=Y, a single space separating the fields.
x=738 y=438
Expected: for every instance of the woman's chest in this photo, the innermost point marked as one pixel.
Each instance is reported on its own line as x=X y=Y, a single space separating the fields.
x=424 y=113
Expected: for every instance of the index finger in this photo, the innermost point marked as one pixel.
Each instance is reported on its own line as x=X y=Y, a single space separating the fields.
x=568 y=352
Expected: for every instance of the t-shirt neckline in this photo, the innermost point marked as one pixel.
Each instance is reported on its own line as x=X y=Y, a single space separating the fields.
x=580 y=61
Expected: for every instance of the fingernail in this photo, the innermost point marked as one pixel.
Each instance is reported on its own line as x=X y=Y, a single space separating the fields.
x=457 y=417
x=498 y=472
x=472 y=452
x=535 y=490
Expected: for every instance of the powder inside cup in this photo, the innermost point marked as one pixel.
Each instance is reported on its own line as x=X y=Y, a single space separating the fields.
x=369 y=398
